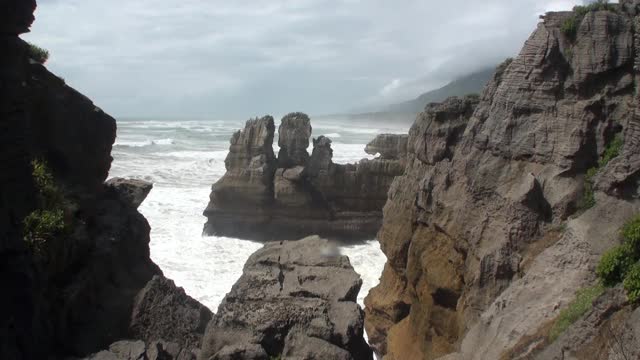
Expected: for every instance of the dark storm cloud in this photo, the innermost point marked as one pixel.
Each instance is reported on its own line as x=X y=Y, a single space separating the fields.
x=178 y=58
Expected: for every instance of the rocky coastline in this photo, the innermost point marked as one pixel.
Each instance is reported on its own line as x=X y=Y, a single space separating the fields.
x=264 y=197
x=509 y=199
x=493 y=213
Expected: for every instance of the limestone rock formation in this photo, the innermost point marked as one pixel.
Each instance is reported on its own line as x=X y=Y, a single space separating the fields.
x=305 y=194
x=163 y=311
x=485 y=233
x=132 y=191
x=293 y=139
x=389 y=146
x=294 y=300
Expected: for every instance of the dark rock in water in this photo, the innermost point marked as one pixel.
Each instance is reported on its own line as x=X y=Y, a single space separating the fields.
x=305 y=195
x=240 y=197
x=295 y=299
x=163 y=311
x=389 y=146
x=293 y=139
x=131 y=191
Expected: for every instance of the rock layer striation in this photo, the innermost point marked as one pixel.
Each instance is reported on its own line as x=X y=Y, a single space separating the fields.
x=262 y=197
x=487 y=234
x=294 y=300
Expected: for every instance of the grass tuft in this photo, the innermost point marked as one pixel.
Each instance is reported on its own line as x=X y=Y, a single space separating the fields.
x=574 y=311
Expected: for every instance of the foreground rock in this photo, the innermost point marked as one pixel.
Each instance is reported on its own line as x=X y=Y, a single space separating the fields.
x=485 y=233
x=264 y=198
x=295 y=300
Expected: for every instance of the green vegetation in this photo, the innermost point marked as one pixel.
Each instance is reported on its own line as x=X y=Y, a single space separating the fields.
x=50 y=194
x=614 y=264
x=47 y=221
x=611 y=151
x=42 y=225
x=38 y=54
x=571 y=25
x=578 y=307
x=589 y=198
x=632 y=283
x=622 y=263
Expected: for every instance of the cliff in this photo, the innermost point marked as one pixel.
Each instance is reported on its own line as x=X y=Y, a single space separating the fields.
x=262 y=197
x=497 y=221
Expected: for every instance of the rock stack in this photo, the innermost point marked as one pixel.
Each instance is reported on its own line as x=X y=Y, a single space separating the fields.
x=297 y=194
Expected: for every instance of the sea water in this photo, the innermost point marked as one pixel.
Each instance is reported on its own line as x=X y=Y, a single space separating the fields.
x=183 y=159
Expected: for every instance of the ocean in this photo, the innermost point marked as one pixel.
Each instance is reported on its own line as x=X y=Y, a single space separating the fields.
x=183 y=159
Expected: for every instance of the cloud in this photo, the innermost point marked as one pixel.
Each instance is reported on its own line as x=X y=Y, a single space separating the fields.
x=180 y=58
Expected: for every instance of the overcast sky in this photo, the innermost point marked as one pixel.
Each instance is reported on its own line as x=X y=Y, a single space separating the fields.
x=240 y=58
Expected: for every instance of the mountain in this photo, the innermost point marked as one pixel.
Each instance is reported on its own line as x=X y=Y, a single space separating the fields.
x=468 y=84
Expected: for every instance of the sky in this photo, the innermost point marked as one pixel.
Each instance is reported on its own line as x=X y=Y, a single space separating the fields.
x=235 y=59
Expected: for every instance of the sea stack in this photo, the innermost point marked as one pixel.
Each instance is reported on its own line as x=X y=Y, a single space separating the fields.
x=297 y=194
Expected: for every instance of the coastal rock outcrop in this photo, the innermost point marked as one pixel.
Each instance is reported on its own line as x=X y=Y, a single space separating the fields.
x=491 y=230
x=163 y=311
x=294 y=300
x=74 y=251
x=293 y=139
x=261 y=198
x=389 y=146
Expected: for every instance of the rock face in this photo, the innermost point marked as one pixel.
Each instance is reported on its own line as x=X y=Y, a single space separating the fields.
x=74 y=294
x=293 y=139
x=294 y=300
x=484 y=236
x=130 y=190
x=260 y=198
x=389 y=146
x=165 y=312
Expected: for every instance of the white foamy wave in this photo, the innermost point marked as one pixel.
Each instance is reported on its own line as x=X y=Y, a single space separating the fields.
x=333 y=135
x=143 y=143
x=133 y=143
x=163 y=142
x=207 y=267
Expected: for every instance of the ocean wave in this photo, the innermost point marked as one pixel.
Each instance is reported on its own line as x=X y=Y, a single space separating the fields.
x=333 y=135
x=144 y=143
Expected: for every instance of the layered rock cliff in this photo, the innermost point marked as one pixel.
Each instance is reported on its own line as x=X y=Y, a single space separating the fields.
x=262 y=197
x=495 y=225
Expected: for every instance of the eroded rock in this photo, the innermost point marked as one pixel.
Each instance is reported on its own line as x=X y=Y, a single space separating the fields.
x=295 y=300
x=305 y=195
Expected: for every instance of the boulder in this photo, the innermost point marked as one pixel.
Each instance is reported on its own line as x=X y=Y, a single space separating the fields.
x=293 y=139
x=163 y=311
x=131 y=191
x=294 y=300
x=389 y=146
